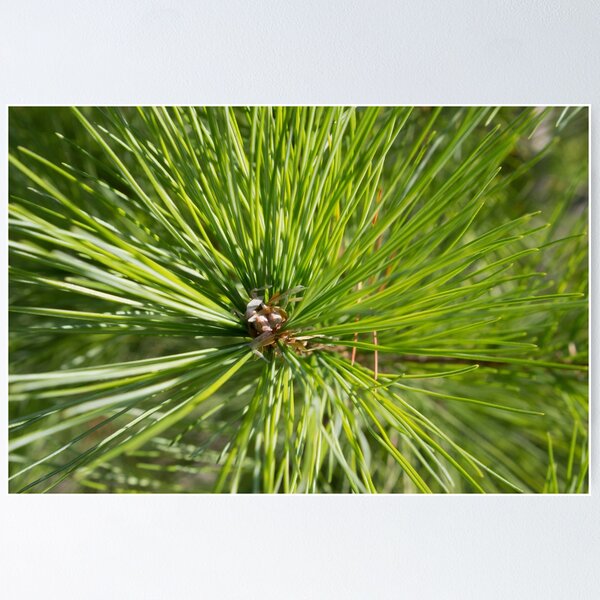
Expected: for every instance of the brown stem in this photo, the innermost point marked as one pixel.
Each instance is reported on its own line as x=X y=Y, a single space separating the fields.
x=354 y=347
x=376 y=357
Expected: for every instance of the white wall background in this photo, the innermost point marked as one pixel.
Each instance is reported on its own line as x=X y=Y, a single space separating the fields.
x=234 y=52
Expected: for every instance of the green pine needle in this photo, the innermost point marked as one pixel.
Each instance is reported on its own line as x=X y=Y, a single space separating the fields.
x=428 y=268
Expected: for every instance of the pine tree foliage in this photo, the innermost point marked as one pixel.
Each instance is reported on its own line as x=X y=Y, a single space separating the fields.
x=430 y=263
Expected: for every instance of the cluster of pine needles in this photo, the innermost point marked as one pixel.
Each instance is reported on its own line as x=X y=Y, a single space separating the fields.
x=430 y=264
